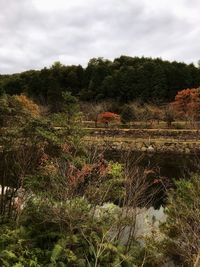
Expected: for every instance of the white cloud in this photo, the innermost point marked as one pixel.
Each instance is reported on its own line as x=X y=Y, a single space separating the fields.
x=35 y=33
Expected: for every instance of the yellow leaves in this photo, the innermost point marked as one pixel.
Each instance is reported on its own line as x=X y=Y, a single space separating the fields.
x=49 y=169
x=17 y=109
x=28 y=106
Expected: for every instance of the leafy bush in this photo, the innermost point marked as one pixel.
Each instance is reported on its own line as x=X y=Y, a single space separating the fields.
x=179 y=239
x=107 y=188
x=63 y=234
x=182 y=228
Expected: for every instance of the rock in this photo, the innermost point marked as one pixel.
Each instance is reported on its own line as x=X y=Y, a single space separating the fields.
x=150 y=148
x=187 y=150
x=143 y=149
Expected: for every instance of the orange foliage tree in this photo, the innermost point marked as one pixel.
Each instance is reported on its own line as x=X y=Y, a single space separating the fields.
x=187 y=103
x=107 y=117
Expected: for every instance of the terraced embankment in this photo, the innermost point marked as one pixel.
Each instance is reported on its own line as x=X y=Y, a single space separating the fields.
x=145 y=140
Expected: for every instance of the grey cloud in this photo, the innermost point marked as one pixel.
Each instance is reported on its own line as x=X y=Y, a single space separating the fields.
x=35 y=33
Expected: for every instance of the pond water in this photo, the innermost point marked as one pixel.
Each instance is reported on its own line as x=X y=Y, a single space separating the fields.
x=167 y=167
x=170 y=165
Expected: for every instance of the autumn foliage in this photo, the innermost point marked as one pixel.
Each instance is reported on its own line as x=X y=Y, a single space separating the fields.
x=27 y=105
x=17 y=109
x=107 y=117
x=187 y=103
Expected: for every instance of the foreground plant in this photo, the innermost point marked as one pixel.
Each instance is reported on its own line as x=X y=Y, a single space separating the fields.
x=182 y=228
x=179 y=238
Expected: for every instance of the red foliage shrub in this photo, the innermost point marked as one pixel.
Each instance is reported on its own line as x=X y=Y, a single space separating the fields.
x=107 y=117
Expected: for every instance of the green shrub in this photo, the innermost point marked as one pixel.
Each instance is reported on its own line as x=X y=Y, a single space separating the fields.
x=180 y=240
x=182 y=228
x=63 y=234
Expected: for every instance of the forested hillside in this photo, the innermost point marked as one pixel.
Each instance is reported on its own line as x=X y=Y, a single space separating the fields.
x=124 y=79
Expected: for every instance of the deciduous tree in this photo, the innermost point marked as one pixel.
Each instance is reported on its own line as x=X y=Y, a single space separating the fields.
x=187 y=103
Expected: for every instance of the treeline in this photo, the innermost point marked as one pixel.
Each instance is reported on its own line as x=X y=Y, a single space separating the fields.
x=124 y=79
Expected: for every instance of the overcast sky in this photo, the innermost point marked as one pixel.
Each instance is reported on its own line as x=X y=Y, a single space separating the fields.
x=35 y=33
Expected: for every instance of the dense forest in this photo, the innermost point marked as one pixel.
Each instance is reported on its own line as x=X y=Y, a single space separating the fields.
x=124 y=79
